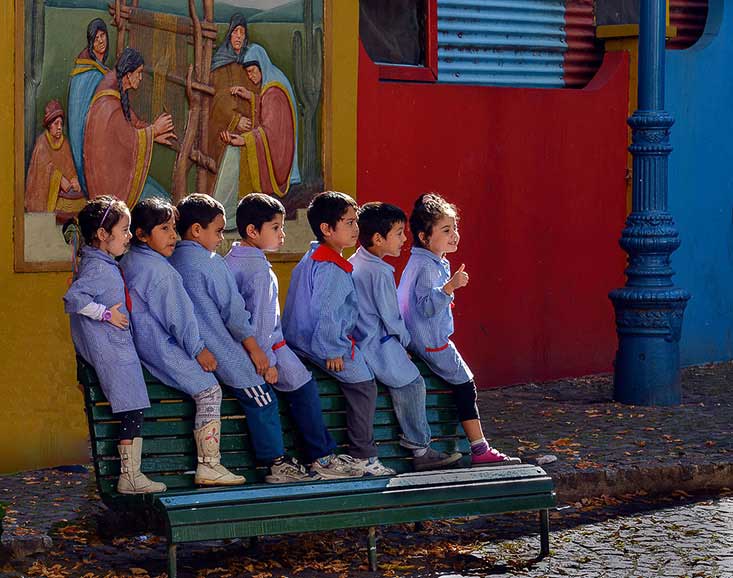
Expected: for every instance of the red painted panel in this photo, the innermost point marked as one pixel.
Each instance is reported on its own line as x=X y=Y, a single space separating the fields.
x=538 y=176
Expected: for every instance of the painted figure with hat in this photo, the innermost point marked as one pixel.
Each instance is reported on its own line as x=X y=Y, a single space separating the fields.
x=52 y=184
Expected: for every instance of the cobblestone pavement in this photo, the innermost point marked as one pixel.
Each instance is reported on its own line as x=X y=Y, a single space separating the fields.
x=605 y=453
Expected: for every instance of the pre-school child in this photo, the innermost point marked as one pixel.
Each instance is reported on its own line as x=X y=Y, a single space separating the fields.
x=260 y=222
x=167 y=335
x=381 y=334
x=225 y=327
x=98 y=307
x=320 y=317
x=425 y=296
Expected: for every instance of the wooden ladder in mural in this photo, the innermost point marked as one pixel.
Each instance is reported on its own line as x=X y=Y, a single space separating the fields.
x=192 y=148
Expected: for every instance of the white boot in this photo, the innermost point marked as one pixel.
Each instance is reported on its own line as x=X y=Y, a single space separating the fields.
x=209 y=471
x=132 y=480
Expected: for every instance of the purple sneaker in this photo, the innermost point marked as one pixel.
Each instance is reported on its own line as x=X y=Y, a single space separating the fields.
x=493 y=457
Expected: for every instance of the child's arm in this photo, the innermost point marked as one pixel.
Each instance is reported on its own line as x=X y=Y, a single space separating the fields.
x=329 y=294
x=171 y=306
x=222 y=288
x=388 y=309
x=459 y=279
x=80 y=298
x=430 y=298
x=262 y=305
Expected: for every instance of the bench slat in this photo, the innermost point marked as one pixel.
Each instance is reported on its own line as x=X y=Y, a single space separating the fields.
x=283 y=492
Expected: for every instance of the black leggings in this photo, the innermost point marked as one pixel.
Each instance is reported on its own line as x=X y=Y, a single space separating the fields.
x=131 y=424
x=464 y=396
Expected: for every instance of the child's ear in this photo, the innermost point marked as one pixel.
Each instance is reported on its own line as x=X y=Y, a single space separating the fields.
x=140 y=234
x=195 y=230
x=251 y=231
x=423 y=238
x=326 y=229
x=377 y=239
x=102 y=234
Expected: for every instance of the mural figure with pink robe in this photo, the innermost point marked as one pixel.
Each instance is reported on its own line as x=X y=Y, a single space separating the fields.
x=52 y=184
x=118 y=145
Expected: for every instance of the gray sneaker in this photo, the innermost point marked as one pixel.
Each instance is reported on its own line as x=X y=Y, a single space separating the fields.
x=333 y=467
x=435 y=460
x=287 y=470
x=373 y=467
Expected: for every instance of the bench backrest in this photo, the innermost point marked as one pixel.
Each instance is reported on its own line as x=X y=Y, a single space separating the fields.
x=169 y=450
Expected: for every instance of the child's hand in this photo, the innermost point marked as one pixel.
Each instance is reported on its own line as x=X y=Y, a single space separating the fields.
x=258 y=357
x=271 y=375
x=206 y=360
x=335 y=364
x=459 y=279
x=118 y=319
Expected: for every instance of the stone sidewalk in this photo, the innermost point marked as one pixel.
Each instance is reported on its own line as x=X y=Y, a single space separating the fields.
x=603 y=451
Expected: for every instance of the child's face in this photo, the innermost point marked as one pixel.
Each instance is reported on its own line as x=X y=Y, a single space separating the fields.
x=445 y=236
x=392 y=244
x=211 y=236
x=162 y=238
x=116 y=242
x=271 y=235
x=345 y=233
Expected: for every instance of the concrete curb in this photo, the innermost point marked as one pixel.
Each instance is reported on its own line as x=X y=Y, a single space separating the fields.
x=654 y=480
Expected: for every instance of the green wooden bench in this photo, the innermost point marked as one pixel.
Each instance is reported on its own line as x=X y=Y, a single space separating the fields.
x=257 y=509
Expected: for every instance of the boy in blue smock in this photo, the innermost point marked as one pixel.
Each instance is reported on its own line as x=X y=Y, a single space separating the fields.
x=260 y=222
x=225 y=327
x=381 y=334
x=320 y=317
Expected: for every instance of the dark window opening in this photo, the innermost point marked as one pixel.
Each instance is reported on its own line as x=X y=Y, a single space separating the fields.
x=394 y=31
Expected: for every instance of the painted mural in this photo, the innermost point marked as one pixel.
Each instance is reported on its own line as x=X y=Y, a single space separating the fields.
x=141 y=98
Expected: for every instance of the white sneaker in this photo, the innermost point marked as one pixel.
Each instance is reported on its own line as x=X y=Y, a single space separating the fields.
x=373 y=467
x=333 y=467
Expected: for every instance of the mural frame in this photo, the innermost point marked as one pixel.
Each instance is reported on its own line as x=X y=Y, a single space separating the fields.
x=20 y=263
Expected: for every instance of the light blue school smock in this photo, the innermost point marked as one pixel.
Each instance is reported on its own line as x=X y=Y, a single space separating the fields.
x=426 y=309
x=220 y=312
x=258 y=285
x=163 y=322
x=381 y=333
x=108 y=349
x=321 y=313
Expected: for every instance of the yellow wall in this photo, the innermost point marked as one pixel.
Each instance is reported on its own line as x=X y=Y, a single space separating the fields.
x=42 y=421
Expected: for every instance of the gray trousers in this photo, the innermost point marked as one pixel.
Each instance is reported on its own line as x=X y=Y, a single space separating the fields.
x=361 y=405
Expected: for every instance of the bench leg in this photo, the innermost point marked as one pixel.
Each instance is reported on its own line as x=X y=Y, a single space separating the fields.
x=172 y=570
x=372 y=549
x=544 y=533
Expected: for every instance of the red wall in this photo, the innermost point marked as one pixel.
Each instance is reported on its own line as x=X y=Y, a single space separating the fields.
x=539 y=178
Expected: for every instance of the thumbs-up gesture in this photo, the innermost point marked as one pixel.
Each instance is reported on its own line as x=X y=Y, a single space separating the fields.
x=459 y=279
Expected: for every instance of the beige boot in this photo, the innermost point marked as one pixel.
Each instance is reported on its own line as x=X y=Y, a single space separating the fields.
x=132 y=480
x=209 y=471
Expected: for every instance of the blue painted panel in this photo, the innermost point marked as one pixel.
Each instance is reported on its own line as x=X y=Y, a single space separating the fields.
x=699 y=93
x=501 y=42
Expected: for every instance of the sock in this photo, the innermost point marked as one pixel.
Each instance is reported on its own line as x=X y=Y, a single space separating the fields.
x=420 y=452
x=479 y=446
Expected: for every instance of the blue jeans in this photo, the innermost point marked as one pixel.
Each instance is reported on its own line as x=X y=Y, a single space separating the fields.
x=263 y=420
x=305 y=409
x=409 y=407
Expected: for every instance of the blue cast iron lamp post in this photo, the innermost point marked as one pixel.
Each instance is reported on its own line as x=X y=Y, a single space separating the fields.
x=649 y=309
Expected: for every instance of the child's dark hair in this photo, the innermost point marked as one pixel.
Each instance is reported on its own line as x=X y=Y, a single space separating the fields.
x=148 y=214
x=101 y=212
x=328 y=207
x=428 y=210
x=376 y=218
x=197 y=208
x=256 y=209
